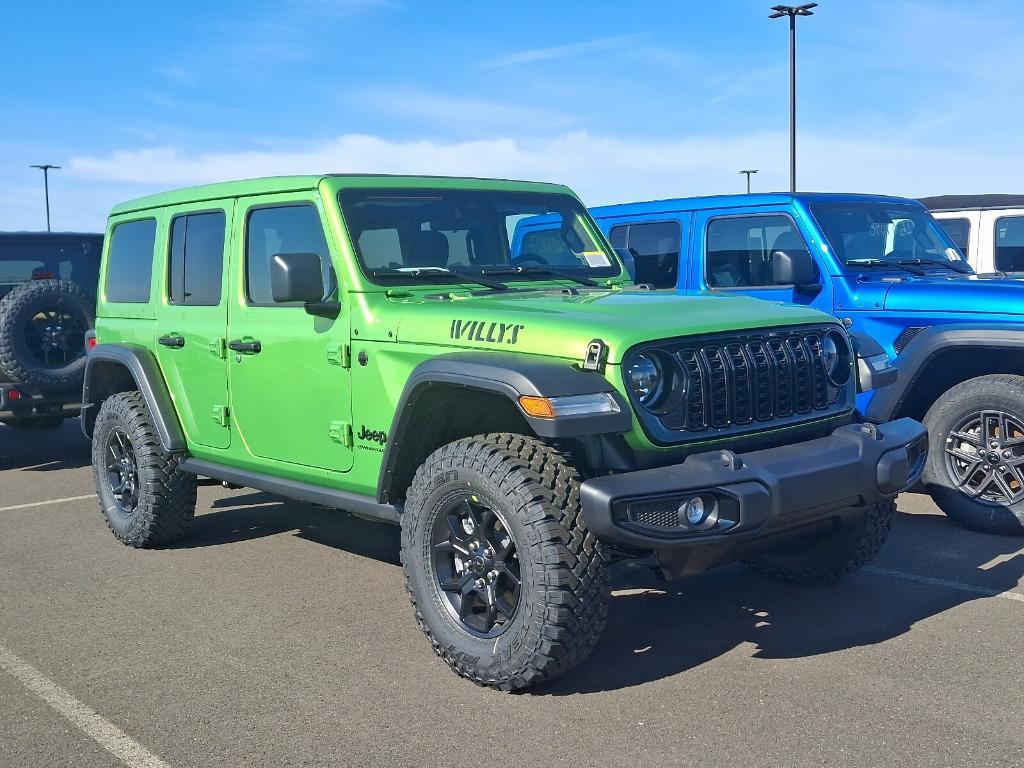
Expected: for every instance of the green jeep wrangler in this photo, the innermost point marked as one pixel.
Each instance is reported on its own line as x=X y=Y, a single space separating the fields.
x=411 y=350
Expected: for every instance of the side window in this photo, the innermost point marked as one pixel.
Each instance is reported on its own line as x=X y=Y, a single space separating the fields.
x=1009 y=244
x=284 y=229
x=197 y=259
x=738 y=249
x=959 y=231
x=130 y=261
x=655 y=249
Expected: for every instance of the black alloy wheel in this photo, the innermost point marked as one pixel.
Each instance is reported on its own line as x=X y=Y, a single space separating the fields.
x=122 y=471
x=476 y=566
x=55 y=337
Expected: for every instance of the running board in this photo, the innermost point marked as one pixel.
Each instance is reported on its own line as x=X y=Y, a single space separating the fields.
x=361 y=506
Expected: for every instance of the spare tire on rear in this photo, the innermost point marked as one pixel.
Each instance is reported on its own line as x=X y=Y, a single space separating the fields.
x=42 y=334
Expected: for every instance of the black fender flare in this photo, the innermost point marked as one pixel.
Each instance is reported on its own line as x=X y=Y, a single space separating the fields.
x=144 y=369
x=914 y=358
x=510 y=375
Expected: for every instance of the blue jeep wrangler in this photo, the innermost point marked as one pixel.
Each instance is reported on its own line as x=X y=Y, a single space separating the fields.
x=885 y=267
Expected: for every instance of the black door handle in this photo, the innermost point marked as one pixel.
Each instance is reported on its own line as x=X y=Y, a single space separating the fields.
x=238 y=345
x=177 y=342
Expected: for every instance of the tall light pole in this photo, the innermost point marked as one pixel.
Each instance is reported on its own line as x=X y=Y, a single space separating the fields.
x=45 y=168
x=792 y=11
x=753 y=170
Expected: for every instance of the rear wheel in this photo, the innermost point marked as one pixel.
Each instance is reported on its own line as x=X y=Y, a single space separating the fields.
x=975 y=469
x=505 y=579
x=145 y=496
x=833 y=556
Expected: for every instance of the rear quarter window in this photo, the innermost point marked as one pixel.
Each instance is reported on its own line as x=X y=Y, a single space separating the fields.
x=130 y=262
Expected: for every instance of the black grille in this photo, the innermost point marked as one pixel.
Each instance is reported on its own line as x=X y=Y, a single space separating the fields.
x=745 y=382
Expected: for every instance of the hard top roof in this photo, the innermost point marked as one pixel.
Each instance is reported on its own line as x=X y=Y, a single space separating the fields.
x=735 y=201
x=37 y=235
x=972 y=202
x=277 y=184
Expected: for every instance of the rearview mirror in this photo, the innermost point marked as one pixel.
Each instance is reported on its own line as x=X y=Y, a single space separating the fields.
x=793 y=267
x=296 y=277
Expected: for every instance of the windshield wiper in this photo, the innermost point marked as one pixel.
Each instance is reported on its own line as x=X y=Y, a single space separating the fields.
x=541 y=271
x=426 y=272
x=937 y=263
x=883 y=263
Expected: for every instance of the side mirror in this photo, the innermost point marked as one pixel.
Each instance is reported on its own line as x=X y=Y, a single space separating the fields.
x=299 y=277
x=296 y=277
x=793 y=267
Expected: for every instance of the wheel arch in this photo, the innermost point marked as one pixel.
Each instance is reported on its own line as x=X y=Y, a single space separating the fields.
x=445 y=397
x=941 y=357
x=114 y=368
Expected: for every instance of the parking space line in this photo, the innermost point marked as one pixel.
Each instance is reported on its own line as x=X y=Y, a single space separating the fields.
x=983 y=591
x=48 y=501
x=88 y=721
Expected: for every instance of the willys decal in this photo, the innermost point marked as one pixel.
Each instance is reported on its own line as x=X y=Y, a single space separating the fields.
x=479 y=330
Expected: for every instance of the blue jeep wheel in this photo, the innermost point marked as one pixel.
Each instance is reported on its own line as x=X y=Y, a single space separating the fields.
x=975 y=470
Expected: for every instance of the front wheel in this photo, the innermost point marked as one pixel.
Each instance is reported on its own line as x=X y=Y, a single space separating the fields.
x=975 y=469
x=506 y=581
x=831 y=557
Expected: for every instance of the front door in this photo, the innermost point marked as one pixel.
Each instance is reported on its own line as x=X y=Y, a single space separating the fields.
x=290 y=389
x=733 y=253
x=192 y=320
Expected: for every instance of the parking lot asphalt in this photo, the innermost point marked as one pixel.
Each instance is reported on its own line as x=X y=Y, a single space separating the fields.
x=278 y=634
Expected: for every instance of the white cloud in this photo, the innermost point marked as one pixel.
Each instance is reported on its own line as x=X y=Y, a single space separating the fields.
x=602 y=169
x=559 y=51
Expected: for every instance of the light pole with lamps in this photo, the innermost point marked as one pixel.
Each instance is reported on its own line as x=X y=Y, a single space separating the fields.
x=749 y=172
x=792 y=11
x=45 y=168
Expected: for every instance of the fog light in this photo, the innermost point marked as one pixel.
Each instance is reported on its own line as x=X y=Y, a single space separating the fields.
x=692 y=511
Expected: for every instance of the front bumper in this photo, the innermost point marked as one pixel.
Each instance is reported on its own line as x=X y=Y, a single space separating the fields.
x=758 y=493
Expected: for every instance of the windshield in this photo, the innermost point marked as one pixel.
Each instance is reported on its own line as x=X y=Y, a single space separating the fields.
x=888 y=232
x=407 y=235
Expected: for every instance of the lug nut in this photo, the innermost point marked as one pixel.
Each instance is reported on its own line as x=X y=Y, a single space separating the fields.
x=1006 y=454
x=489 y=552
x=480 y=584
x=492 y=575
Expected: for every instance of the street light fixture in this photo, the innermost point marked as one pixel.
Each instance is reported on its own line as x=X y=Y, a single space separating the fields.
x=792 y=11
x=45 y=168
x=749 y=172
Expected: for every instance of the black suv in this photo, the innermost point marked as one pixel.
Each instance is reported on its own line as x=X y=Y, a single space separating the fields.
x=47 y=305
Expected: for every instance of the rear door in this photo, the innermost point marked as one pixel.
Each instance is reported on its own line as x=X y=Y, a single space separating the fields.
x=1001 y=241
x=291 y=393
x=656 y=244
x=192 y=319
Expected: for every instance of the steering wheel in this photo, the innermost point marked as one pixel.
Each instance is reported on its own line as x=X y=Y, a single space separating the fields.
x=528 y=259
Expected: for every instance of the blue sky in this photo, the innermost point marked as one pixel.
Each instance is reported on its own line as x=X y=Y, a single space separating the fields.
x=622 y=101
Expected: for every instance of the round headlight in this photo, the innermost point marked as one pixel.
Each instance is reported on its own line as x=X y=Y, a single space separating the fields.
x=645 y=379
x=835 y=354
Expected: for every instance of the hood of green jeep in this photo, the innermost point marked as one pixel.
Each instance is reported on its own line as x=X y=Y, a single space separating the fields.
x=556 y=324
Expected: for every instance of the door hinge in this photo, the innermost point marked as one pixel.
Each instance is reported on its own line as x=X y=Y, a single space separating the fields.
x=339 y=354
x=220 y=414
x=341 y=432
x=219 y=348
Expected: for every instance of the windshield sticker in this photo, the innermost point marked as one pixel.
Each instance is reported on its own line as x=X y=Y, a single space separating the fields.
x=480 y=330
x=596 y=259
